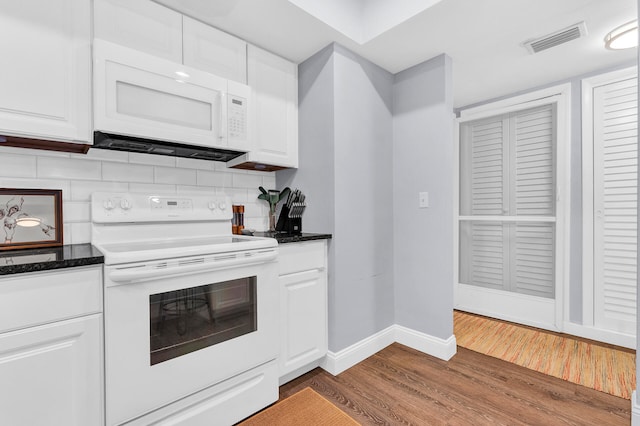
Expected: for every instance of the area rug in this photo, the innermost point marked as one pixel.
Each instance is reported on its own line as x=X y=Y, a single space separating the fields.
x=305 y=407
x=601 y=367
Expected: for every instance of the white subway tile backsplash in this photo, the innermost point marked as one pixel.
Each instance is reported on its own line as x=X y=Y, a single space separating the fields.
x=76 y=211
x=78 y=176
x=255 y=209
x=269 y=181
x=33 y=152
x=256 y=224
x=157 y=188
x=68 y=168
x=246 y=181
x=191 y=189
x=81 y=190
x=66 y=234
x=154 y=160
x=238 y=196
x=104 y=155
x=80 y=233
x=10 y=182
x=18 y=165
x=217 y=179
x=119 y=172
x=222 y=167
x=192 y=163
x=174 y=176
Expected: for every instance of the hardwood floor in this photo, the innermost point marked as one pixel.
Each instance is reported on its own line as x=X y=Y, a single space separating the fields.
x=399 y=385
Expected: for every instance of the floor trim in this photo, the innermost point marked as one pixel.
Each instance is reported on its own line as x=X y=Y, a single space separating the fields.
x=337 y=362
x=430 y=345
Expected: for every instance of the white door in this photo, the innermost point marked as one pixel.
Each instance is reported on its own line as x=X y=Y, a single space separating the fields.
x=510 y=227
x=611 y=218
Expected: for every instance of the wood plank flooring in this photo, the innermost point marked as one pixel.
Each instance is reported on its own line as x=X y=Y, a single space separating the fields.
x=399 y=385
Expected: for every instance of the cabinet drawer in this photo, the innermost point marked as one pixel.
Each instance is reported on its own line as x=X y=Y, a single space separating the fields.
x=43 y=297
x=297 y=257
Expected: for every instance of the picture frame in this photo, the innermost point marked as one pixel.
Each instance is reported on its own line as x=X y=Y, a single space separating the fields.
x=30 y=218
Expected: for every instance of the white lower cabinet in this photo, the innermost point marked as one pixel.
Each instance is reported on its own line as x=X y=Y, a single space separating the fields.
x=52 y=373
x=303 y=306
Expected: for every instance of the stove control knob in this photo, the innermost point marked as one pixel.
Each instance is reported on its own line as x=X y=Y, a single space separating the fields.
x=125 y=204
x=108 y=204
x=212 y=205
x=222 y=205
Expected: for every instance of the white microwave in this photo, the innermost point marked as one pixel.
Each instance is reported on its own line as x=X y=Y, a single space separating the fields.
x=141 y=95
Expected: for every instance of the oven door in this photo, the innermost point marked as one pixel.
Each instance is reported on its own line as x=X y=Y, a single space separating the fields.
x=171 y=336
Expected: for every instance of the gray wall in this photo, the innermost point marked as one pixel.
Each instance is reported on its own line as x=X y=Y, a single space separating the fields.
x=423 y=162
x=345 y=143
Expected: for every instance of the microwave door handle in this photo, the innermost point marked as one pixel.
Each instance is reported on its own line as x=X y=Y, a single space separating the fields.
x=222 y=117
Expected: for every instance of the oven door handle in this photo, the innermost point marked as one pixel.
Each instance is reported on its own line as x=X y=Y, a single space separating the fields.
x=146 y=272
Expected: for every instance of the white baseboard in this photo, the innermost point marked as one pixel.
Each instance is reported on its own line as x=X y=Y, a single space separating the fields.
x=439 y=348
x=635 y=410
x=337 y=362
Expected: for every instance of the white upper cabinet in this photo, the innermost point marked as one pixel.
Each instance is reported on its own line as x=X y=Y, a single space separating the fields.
x=155 y=29
x=273 y=113
x=142 y=25
x=211 y=50
x=45 y=77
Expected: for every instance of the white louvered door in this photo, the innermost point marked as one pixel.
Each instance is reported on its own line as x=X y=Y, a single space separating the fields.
x=615 y=163
x=508 y=215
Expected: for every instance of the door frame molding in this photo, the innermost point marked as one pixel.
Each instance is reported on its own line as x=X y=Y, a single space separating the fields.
x=561 y=96
x=587 y=329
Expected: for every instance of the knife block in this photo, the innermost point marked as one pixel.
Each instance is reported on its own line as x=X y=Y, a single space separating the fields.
x=289 y=225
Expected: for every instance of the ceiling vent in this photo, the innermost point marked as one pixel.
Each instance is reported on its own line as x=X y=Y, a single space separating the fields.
x=557 y=38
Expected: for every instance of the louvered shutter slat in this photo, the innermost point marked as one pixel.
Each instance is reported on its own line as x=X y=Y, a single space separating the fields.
x=615 y=196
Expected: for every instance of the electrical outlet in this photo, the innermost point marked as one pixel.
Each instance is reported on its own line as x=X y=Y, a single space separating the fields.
x=423 y=200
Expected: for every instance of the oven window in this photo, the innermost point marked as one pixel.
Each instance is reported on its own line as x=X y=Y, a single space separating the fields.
x=184 y=321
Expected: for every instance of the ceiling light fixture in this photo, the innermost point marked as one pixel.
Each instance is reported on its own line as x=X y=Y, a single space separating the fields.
x=28 y=221
x=623 y=37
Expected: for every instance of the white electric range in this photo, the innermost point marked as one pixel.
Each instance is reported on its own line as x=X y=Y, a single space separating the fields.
x=190 y=311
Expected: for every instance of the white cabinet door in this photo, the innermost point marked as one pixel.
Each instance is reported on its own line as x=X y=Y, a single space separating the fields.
x=273 y=112
x=211 y=50
x=45 y=77
x=51 y=374
x=303 y=307
x=141 y=95
x=142 y=25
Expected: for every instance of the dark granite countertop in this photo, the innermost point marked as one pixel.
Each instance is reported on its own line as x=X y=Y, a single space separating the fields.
x=291 y=238
x=33 y=260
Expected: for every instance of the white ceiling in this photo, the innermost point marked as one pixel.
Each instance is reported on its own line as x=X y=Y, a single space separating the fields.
x=483 y=37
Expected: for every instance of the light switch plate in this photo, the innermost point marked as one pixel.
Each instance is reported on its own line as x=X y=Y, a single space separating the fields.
x=423 y=200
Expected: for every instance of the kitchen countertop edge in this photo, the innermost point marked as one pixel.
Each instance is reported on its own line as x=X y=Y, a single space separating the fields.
x=290 y=238
x=44 y=259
